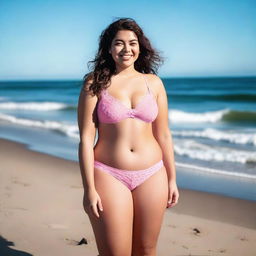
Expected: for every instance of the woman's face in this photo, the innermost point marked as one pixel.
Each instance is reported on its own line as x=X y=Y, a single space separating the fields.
x=125 y=48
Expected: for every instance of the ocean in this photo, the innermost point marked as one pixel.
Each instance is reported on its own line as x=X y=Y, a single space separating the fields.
x=212 y=120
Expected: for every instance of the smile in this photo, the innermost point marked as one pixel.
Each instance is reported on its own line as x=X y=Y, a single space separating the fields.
x=126 y=57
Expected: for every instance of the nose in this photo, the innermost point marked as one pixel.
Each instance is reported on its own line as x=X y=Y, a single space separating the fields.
x=126 y=48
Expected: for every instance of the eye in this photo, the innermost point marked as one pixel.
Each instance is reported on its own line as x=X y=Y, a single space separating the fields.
x=118 y=43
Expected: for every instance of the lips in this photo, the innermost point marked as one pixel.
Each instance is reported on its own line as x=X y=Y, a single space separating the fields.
x=126 y=57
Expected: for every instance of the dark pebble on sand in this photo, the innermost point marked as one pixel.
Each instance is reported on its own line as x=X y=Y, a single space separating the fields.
x=197 y=231
x=83 y=241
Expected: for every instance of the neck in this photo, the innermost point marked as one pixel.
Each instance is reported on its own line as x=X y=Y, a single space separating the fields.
x=127 y=71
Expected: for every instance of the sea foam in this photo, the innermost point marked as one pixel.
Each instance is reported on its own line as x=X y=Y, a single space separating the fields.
x=214 y=134
x=178 y=116
x=216 y=171
x=196 y=150
x=64 y=128
x=38 y=106
x=224 y=115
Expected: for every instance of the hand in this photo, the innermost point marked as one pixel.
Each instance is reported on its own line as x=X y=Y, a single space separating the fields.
x=173 y=194
x=92 y=202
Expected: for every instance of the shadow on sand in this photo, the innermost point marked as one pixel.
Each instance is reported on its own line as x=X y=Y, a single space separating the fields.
x=6 y=251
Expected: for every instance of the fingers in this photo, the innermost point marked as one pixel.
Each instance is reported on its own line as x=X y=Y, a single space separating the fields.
x=92 y=203
x=100 y=205
x=96 y=207
x=95 y=210
x=173 y=199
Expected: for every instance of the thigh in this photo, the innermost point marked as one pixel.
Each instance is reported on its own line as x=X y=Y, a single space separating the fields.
x=113 y=230
x=150 y=201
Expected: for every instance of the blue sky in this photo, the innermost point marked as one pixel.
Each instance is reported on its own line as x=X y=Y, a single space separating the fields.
x=43 y=39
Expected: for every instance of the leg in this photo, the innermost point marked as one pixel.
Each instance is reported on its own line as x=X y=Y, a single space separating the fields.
x=150 y=201
x=113 y=230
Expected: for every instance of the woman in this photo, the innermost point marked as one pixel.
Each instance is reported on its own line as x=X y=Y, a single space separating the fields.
x=129 y=175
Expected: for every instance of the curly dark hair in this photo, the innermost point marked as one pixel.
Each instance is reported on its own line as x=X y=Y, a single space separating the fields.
x=103 y=65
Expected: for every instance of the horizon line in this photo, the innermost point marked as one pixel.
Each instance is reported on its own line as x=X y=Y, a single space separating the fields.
x=163 y=77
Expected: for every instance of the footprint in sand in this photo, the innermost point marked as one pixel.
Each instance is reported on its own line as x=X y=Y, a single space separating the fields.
x=243 y=238
x=222 y=250
x=184 y=246
x=20 y=182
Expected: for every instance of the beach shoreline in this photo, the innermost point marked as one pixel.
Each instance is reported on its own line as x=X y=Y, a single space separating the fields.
x=194 y=176
x=41 y=212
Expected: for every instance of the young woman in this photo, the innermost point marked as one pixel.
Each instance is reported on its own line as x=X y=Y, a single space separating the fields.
x=129 y=174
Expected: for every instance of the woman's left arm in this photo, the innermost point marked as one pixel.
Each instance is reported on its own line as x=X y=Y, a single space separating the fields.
x=163 y=135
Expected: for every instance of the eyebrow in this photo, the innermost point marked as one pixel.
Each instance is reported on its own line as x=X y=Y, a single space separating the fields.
x=129 y=41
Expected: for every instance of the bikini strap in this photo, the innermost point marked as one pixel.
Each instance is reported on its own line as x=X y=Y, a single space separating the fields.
x=144 y=76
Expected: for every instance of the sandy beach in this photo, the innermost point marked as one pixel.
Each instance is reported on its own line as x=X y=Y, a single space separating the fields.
x=41 y=213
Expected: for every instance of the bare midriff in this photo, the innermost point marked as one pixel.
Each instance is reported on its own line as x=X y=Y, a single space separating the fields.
x=129 y=145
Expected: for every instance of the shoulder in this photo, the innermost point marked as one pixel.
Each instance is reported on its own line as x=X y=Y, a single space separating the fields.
x=86 y=94
x=155 y=83
x=86 y=85
x=87 y=82
x=86 y=89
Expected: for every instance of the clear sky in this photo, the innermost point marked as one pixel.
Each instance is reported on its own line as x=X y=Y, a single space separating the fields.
x=42 y=39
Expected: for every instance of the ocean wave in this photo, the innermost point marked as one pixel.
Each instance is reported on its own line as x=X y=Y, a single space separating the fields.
x=216 y=171
x=178 y=116
x=239 y=97
x=37 y=106
x=66 y=129
x=225 y=115
x=240 y=116
x=196 y=150
x=228 y=136
x=186 y=147
x=175 y=116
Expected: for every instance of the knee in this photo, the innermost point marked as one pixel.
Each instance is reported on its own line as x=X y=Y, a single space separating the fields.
x=144 y=250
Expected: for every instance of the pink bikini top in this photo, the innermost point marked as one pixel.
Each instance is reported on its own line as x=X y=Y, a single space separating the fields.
x=112 y=110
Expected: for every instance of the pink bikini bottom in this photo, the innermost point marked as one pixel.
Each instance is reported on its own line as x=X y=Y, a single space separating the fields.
x=131 y=179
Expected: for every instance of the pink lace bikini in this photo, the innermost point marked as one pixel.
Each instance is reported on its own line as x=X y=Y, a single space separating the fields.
x=112 y=110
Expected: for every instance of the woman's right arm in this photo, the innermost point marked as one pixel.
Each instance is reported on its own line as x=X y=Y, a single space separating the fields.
x=87 y=130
